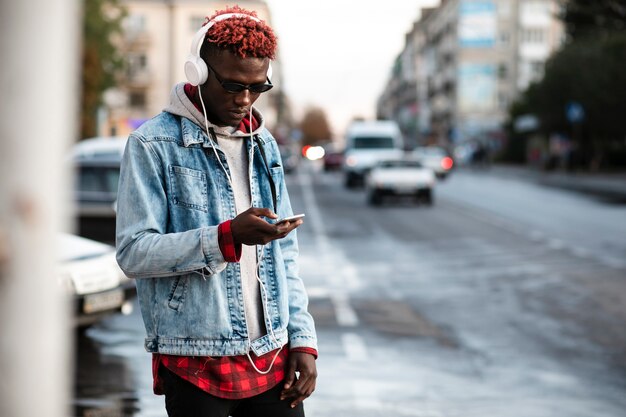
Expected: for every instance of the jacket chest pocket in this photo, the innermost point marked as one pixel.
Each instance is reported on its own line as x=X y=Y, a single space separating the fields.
x=277 y=177
x=189 y=188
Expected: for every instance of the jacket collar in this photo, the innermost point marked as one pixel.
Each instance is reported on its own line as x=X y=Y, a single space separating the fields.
x=192 y=120
x=192 y=134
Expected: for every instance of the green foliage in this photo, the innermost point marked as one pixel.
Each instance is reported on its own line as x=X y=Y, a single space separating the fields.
x=102 y=21
x=588 y=69
x=592 y=74
x=593 y=18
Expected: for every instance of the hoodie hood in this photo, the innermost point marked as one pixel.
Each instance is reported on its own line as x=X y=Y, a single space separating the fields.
x=181 y=105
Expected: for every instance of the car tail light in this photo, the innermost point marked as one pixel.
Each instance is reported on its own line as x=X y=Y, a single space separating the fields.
x=313 y=153
x=351 y=161
x=447 y=163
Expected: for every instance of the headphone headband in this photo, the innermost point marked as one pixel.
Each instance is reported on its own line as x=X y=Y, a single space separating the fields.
x=198 y=38
x=195 y=68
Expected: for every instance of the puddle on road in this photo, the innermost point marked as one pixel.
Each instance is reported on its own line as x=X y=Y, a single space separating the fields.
x=113 y=375
x=398 y=318
x=104 y=385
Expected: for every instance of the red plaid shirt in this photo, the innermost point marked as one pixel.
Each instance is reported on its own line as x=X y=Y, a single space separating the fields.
x=231 y=377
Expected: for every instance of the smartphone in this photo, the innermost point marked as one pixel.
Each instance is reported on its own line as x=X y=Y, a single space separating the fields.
x=291 y=218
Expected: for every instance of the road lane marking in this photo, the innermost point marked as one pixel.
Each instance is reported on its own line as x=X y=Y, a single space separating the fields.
x=345 y=314
x=365 y=394
x=581 y=252
x=318 y=292
x=613 y=262
x=342 y=275
x=556 y=244
x=354 y=347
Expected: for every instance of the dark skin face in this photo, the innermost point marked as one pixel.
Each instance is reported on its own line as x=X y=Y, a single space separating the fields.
x=224 y=108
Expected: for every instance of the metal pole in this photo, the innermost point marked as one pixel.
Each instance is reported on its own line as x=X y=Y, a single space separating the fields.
x=38 y=93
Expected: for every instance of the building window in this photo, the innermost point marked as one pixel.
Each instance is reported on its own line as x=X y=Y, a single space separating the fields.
x=503 y=71
x=135 y=23
x=137 y=99
x=536 y=69
x=533 y=35
x=137 y=63
x=504 y=8
x=503 y=101
x=196 y=22
x=505 y=38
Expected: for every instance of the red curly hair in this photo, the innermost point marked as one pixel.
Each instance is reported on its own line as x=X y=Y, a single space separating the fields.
x=242 y=36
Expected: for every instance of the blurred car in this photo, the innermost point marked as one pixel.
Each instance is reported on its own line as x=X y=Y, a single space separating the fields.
x=333 y=158
x=435 y=158
x=400 y=177
x=97 y=164
x=89 y=272
x=368 y=142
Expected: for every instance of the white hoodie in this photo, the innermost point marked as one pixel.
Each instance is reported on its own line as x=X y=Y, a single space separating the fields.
x=232 y=142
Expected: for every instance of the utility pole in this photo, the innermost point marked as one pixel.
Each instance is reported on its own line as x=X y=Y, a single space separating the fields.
x=39 y=81
x=171 y=39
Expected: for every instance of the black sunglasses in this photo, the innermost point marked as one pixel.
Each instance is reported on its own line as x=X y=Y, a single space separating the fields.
x=232 y=87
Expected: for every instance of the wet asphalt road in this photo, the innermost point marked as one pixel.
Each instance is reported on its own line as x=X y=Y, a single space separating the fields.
x=504 y=299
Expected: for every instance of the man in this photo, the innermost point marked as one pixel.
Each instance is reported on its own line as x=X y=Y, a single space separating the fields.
x=201 y=188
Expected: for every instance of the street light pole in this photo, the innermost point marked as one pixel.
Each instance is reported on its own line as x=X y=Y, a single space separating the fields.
x=38 y=92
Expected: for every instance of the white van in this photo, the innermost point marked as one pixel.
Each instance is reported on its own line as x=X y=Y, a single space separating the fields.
x=367 y=143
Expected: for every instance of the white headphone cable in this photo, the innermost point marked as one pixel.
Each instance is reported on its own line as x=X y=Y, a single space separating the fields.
x=263 y=290
x=206 y=126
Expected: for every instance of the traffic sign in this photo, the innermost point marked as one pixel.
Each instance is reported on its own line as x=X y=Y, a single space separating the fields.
x=574 y=112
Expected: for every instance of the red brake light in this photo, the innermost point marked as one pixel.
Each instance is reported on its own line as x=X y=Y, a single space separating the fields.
x=447 y=163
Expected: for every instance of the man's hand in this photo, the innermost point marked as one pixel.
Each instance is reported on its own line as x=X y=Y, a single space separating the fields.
x=249 y=228
x=302 y=387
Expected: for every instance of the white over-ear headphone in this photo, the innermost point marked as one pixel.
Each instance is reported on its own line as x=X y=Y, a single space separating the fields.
x=196 y=69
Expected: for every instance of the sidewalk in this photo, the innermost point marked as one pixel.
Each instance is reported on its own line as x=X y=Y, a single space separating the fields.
x=607 y=186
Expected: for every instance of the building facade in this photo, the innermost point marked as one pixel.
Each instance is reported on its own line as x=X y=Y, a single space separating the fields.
x=472 y=58
x=155 y=43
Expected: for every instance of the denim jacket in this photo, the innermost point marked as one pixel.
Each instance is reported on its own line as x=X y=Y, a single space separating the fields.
x=172 y=196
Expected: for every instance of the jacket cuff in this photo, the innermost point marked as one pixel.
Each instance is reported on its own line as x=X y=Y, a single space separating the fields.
x=210 y=248
x=230 y=251
x=303 y=349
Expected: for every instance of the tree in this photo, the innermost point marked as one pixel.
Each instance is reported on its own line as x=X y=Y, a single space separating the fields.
x=102 y=21
x=315 y=127
x=593 y=18
x=587 y=70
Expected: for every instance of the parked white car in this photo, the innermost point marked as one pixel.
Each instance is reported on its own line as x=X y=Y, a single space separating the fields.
x=89 y=272
x=435 y=158
x=400 y=177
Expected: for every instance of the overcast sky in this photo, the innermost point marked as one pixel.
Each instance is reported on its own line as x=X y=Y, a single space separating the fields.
x=337 y=54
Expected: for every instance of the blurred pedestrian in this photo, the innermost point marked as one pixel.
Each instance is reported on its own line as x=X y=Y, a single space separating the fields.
x=201 y=188
x=480 y=157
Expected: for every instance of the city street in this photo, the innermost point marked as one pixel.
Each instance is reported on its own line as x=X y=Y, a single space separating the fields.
x=505 y=298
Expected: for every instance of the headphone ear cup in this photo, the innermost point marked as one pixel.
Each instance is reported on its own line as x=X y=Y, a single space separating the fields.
x=269 y=72
x=196 y=70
